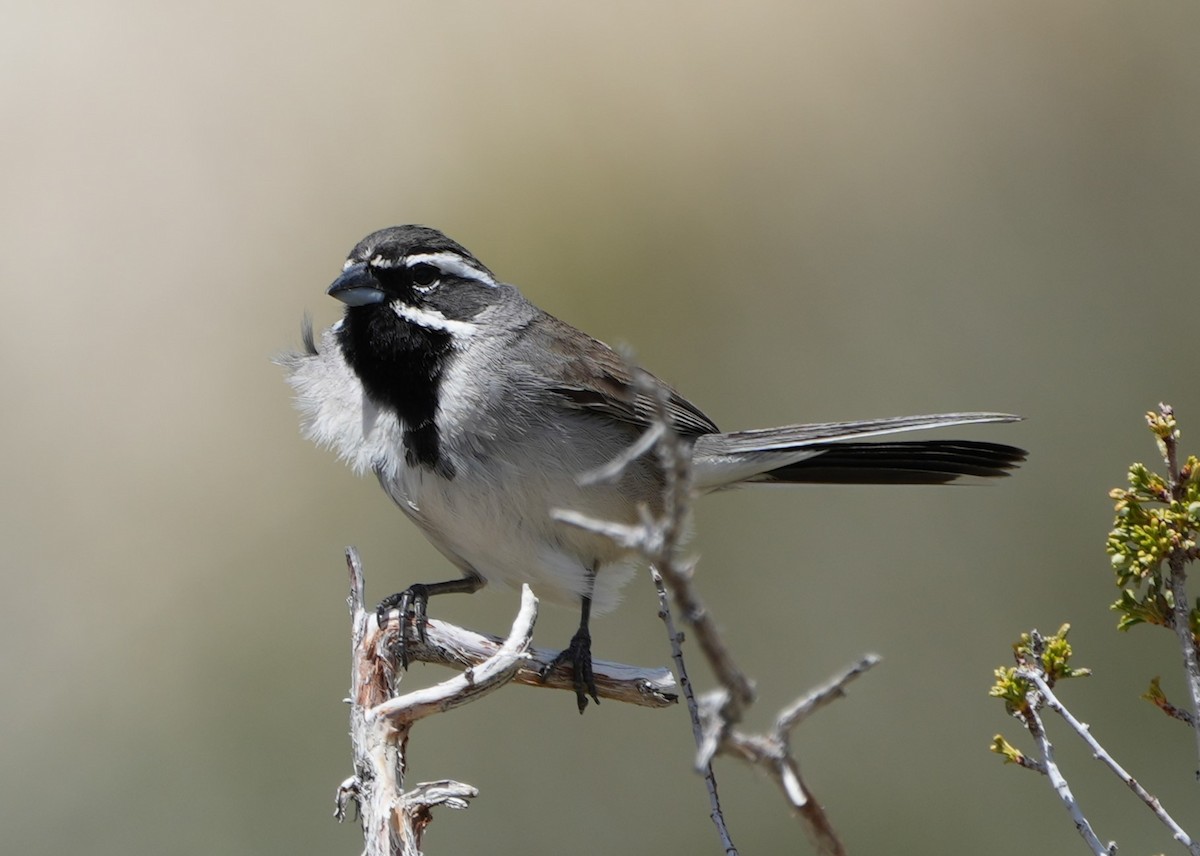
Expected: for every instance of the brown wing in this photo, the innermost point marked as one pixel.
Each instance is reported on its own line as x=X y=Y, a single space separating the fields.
x=593 y=377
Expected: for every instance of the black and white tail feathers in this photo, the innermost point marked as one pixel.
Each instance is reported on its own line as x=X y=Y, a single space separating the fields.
x=833 y=453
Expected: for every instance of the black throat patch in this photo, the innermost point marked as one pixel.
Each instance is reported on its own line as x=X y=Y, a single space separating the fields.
x=401 y=367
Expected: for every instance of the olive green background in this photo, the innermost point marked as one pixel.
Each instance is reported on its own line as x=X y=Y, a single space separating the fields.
x=792 y=211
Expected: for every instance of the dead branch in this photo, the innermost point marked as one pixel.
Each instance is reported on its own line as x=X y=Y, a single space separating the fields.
x=393 y=821
x=659 y=539
x=448 y=645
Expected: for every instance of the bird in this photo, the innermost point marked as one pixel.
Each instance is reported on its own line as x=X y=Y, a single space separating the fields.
x=478 y=412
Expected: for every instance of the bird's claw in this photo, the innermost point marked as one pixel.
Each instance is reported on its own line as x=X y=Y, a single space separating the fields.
x=579 y=655
x=413 y=604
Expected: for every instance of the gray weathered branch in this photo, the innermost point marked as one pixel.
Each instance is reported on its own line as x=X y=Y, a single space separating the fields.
x=659 y=538
x=394 y=820
x=448 y=645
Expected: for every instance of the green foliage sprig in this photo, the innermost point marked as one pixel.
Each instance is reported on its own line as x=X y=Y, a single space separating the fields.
x=1155 y=528
x=1152 y=541
x=1050 y=656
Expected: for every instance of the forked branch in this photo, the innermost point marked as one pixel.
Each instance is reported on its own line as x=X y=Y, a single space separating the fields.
x=394 y=820
x=659 y=539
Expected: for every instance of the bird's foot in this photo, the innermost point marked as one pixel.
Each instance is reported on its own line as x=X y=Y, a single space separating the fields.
x=412 y=603
x=579 y=655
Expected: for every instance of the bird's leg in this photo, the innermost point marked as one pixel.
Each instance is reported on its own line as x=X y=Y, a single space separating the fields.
x=414 y=601
x=579 y=654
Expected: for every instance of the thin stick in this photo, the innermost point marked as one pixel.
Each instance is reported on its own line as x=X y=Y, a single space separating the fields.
x=703 y=758
x=1181 y=608
x=1101 y=754
x=659 y=539
x=1059 y=782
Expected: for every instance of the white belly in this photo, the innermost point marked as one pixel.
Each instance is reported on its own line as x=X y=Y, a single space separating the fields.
x=498 y=526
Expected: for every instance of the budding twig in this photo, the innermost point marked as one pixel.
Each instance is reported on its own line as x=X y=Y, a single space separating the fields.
x=1099 y=753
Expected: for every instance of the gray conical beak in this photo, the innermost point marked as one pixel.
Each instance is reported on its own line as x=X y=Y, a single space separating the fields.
x=357 y=286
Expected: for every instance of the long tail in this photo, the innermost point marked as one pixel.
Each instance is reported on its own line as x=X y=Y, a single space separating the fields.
x=828 y=452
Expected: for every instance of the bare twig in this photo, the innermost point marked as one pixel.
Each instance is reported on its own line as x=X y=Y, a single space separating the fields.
x=1181 y=606
x=1101 y=754
x=675 y=457
x=816 y=699
x=714 y=715
x=614 y=468
x=659 y=540
x=772 y=753
x=1030 y=764
x=458 y=648
x=394 y=821
x=1059 y=782
x=704 y=741
x=1181 y=610
x=1159 y=699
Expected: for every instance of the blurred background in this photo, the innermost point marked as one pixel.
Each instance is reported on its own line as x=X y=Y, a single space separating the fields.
x=792 y=211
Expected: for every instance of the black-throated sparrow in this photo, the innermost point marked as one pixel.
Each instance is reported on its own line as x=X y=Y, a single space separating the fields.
x=478 y=412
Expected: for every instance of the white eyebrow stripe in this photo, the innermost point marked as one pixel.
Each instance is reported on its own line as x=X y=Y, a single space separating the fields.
x=452 y=263
x=431 y=319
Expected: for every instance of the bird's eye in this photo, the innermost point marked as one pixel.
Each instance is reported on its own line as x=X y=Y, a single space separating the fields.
x=424 y=275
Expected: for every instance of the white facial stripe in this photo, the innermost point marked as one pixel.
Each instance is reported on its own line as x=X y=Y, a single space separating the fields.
x=431 y=319
x=451 y=263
